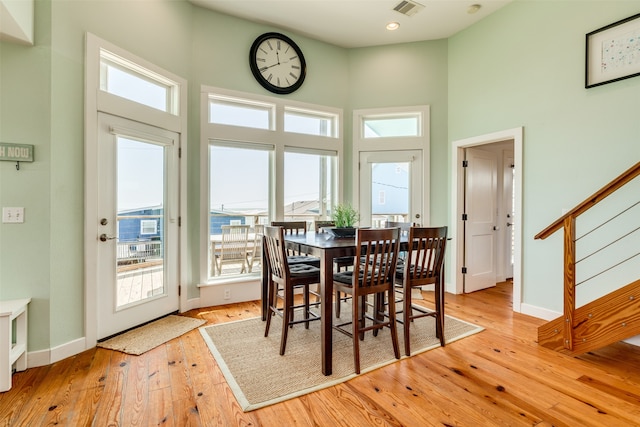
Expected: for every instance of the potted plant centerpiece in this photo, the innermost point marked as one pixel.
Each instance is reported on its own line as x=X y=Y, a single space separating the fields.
x=345 y=217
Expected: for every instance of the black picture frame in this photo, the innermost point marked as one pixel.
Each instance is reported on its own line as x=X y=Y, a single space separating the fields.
x=613 y=52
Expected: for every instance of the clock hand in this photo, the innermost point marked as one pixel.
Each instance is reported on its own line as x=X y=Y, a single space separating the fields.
x=269 y=66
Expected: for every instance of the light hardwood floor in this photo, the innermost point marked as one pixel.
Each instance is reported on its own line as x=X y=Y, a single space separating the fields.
x=497 y=377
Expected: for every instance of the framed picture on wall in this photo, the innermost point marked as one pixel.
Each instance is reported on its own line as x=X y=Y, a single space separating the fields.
x=613 y=52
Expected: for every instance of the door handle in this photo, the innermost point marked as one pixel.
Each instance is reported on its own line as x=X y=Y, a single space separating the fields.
x=509 y=224
x=103 y=237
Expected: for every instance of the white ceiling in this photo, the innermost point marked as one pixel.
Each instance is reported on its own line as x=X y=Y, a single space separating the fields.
x=358 y=23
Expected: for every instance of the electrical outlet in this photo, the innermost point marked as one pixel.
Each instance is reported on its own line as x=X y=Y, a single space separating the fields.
x=12 y=215
x=227 y=293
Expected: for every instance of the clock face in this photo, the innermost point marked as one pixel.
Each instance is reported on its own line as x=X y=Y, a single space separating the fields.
x=277 y=63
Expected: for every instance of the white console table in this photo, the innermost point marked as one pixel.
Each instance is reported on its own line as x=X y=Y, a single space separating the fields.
x=12 y=349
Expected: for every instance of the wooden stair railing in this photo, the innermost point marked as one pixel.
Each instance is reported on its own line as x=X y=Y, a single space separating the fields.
x=611 y=318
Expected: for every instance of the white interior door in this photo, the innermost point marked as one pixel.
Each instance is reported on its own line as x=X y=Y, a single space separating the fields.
x=480 y=226
x=137 y=224
x=390 y=187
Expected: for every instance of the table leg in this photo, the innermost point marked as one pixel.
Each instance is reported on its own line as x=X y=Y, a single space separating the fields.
x=264 y=283
x=326 y=292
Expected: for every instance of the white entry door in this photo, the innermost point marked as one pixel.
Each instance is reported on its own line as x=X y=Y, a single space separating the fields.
x=390 y=187
x=137 y=241
x=480 y=226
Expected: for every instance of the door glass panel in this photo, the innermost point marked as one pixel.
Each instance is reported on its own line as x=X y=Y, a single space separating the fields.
x=140 y=218
x=389 y=193
x=239 y=195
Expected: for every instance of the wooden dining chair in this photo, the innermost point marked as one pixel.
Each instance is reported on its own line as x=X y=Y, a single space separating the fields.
x=378 y=251
x=233 y=247
x=423 y=266
x=283 y=280
x=295 y=256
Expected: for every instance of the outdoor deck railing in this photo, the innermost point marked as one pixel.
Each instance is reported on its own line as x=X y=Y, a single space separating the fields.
x=138 y=251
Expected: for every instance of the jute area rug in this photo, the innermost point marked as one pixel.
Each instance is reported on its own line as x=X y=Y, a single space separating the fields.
x=259 y=376
x=151 y=335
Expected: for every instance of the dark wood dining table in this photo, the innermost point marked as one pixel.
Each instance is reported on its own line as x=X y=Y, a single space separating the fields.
x=326 y=247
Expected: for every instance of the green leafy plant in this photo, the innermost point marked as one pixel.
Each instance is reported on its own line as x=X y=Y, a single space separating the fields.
x=344 y=215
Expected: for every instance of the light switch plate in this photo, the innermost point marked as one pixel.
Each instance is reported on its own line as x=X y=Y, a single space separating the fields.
x=12 y=215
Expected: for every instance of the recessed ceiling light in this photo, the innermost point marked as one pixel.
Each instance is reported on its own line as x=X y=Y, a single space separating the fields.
x=393 y=26
x=473 y=8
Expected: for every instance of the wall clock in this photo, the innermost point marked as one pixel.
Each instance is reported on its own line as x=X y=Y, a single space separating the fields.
x=277 y=63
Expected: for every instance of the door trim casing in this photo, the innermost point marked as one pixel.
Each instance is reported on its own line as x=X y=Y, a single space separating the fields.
x=421 y=142
x=98 y=101
x=457 y=204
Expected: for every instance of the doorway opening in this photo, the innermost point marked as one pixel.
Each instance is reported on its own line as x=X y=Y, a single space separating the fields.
x=462 y=255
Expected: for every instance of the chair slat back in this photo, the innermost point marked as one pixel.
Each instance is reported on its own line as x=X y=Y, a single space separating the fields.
x=291 y=227
x=377 y=250
x=425 y=255
x=234 y=242
x=318 y=225
x=276 y=254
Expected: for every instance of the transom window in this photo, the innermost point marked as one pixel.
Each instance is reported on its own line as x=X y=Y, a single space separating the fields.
x=310 y=122
x=128 y=80
x=241 y=112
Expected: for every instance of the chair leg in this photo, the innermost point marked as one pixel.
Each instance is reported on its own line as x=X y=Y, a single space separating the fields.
x=271 y=297
x=439 y=297
x=287 y=314
x=337 y=303
x=356 y=335
x=306 y=306
x=392 y=324
x=378 y=310
x=361 y=316
x=406 y=307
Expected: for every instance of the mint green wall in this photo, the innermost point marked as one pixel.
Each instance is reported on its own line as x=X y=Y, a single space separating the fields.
x=524 y=66
x=25 y=118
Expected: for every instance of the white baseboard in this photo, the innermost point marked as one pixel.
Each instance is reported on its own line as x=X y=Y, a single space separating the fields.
x=191 y=304
x=633 y=340
x=68 y=349
x=212 y=295
x=38 y=358
x=539 y=312
x=55 y=354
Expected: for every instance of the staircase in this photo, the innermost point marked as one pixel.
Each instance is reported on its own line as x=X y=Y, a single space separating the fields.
x=614 y=316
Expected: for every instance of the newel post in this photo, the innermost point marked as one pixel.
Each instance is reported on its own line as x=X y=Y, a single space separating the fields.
x=569 y=279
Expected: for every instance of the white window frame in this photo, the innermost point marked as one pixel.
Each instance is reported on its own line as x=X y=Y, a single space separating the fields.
x=399 y=143
x=172 y=87
x=277 y=138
